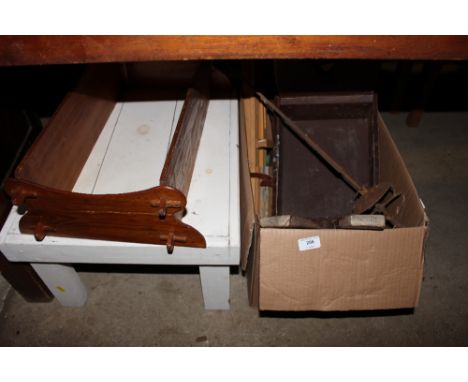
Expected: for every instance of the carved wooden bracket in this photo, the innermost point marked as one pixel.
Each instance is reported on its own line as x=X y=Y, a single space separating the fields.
x=131 y=217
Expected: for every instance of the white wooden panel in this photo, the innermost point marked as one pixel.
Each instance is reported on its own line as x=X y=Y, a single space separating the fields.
x=215 y=287
x=87 y=179
x=137 y=151
x=89 y=251
x=234 y=180
x=208 y=196
x=63 y=282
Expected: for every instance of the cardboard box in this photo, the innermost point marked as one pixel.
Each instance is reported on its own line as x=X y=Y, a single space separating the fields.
x=338 y=270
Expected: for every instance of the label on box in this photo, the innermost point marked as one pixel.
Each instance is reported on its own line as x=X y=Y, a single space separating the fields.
x=308 y=243
x=422 y=204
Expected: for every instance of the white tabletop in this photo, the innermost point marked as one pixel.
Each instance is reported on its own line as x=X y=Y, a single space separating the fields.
x=128 y=156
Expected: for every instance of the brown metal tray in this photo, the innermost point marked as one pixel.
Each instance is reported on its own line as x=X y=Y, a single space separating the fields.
x=345 y=125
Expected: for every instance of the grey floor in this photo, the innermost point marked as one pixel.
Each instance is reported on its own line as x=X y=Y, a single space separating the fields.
x=137 y=306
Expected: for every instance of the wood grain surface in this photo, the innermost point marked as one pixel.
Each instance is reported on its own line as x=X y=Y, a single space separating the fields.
x=129 y=217
x=32 y=50
x=180 y=161
x=57 y=156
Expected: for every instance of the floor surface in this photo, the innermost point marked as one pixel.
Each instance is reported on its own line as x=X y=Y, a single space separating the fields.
x=155 y=307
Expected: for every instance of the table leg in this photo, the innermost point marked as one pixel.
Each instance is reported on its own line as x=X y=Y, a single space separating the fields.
x=215 y=287
x=24 y=279
x=63 y=282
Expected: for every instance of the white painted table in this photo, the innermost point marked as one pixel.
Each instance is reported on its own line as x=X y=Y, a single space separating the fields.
x=129 y=156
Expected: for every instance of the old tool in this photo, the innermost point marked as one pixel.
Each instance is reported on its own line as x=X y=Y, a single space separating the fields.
x=368 y=197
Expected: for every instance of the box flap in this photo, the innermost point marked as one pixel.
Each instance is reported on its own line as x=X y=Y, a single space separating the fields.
x=348 y=270
x=394 y=170
x=252 y=272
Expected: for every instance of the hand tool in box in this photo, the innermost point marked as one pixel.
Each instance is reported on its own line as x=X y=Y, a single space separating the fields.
x=370 y=200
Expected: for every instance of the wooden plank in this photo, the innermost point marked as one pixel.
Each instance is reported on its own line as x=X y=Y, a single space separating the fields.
x=252 y=149
x=121 y=227
x=86 y=182
x=260 y=121
x=375 y=222
x=32 y=50
x=247 y=214
x=234 y=179
x=59 y=153
x=134 y=157
x=249 y=119
x=180 y=160
x=212 y=172
x=289 y=221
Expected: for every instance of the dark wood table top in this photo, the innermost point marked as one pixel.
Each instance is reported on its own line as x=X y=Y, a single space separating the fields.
x=36 y=50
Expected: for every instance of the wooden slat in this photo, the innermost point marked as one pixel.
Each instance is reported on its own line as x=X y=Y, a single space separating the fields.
x=57 y=156
x=180 y=160
x=30 y=50
x=21 y=276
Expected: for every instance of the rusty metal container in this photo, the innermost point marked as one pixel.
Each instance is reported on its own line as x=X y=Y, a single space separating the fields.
x=345 y=125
